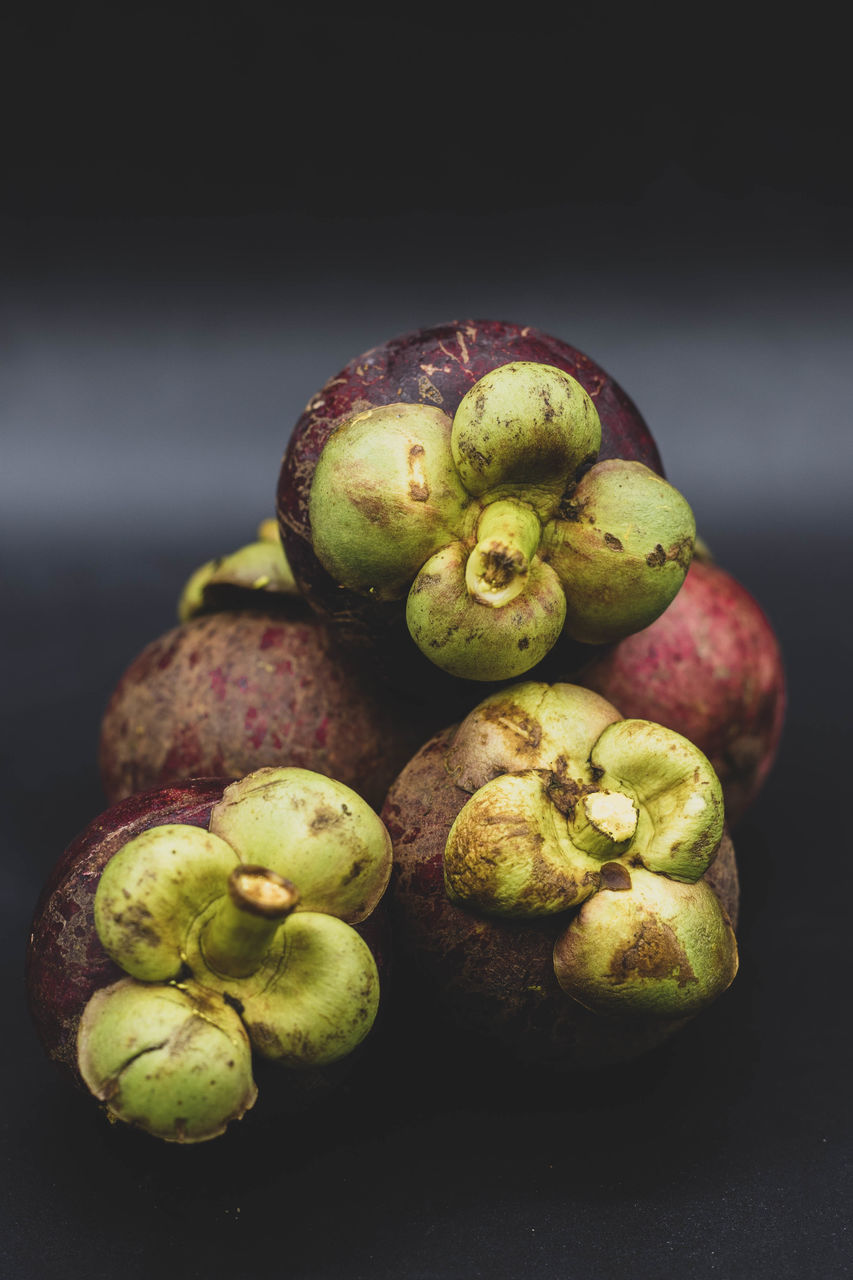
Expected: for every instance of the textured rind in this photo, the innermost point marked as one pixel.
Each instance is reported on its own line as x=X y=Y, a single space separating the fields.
x=497 y=977
x=710 y=668
x=433 y=366
x=66 y=963
x=230 y=692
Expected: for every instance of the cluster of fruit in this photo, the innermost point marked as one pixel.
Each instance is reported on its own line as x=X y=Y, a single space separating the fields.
x=479 y=659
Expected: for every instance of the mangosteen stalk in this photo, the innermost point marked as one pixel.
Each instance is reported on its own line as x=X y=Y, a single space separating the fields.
x=603 y=823
x=508 y=535
x=237 y=937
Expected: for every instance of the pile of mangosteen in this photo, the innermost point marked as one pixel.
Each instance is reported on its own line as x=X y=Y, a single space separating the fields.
x=477 y=696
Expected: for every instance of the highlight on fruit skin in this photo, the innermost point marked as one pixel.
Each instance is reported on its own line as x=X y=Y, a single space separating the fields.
x=563 y=881
x=498 y=527
x=225 y=956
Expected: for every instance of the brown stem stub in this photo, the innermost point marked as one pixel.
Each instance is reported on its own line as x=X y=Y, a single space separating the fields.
x=262 y=892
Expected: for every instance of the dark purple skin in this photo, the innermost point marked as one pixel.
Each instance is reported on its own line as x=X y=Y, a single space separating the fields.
x=66 y=963
x=496 y=977
x=435 y=366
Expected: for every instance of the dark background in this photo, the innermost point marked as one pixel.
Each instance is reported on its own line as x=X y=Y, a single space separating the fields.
x=207 y=210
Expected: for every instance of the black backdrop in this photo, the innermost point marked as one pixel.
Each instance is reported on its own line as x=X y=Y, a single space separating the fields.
x=205 y=213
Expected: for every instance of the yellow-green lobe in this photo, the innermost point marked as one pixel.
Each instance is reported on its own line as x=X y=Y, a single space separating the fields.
x=678 y=794
x=659 y=948
x=172 y=1060
x=508 y=853
x=532 y=725
x=622 y=550
x=260 y=566
x=524 y=429
x=153 y=890
x=385 y=496
x=324 y=998
x=476 y=641
x=314 y=831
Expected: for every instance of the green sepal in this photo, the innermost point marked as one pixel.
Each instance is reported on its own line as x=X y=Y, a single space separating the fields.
x=384 y=497
x=678 y=794
x=651 y=947
x=508 y=853
x=621 y=550
x=152 y=890
x=312 y=830
x=259 y=567
x=477 y=641
x=532 y=725
x=172 y=1060
x=525 y=429
x=323 y=999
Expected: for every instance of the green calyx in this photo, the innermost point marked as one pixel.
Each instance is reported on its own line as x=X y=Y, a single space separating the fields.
x=173 y=1060
x=619 y=825
x=260 y=568
x=498 y=527
x=254 y=917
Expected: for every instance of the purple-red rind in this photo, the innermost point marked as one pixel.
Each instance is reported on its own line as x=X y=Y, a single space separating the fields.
x=228 y=693
x=711 y=668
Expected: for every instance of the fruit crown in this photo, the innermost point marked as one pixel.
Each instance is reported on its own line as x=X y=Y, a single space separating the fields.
x=499 y=526
x=259 y=568
x=234 y=938
x=609 y=822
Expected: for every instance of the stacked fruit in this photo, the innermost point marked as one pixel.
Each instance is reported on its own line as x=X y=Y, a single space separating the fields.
x=480 y=598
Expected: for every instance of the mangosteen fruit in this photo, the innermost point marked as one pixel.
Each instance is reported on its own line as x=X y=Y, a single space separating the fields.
x=252 y=678
x=711 y=668
x=485 y=520
x=192 y=930
x=562 y=880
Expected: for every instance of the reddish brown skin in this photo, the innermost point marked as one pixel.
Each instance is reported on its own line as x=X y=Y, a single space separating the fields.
x=497 y=977
x=66 y=963
x=711 y=668
x=433 y=366
x=225 y=694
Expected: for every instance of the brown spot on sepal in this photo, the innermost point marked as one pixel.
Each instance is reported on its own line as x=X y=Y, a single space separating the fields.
x=136 y=922
x=681 y=552
x=480 y=461
x=325 y=817
x=564 y=792
x=654 y=952
x=517 y=721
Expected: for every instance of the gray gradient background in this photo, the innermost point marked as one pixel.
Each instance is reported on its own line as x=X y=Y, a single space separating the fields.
x=175 y=286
